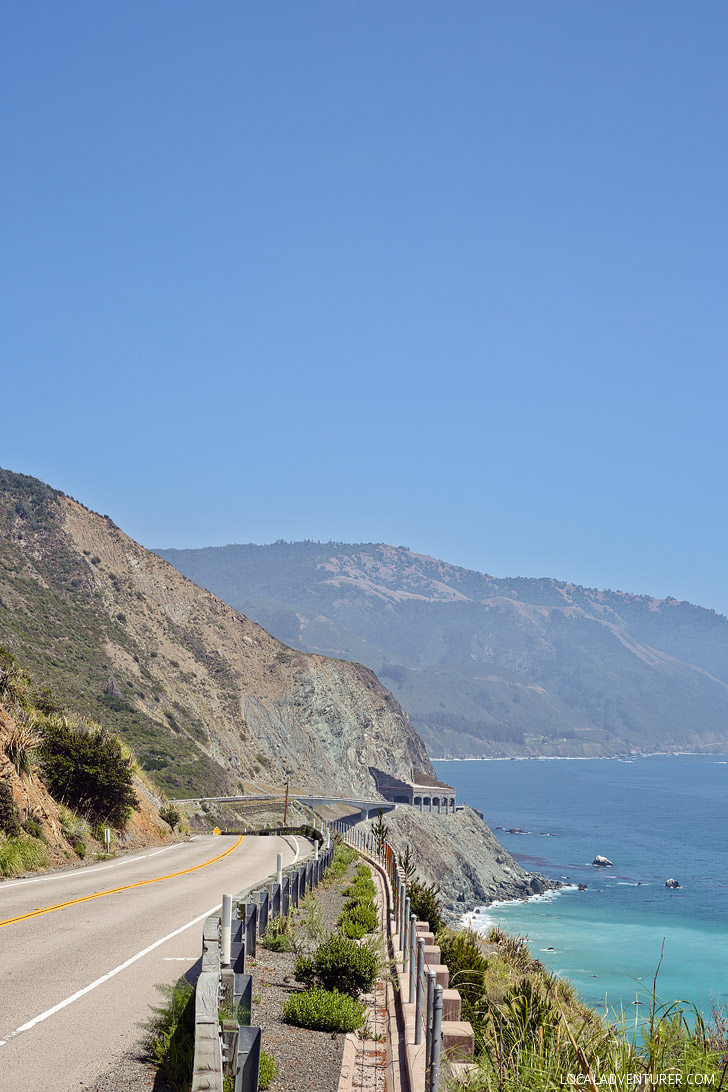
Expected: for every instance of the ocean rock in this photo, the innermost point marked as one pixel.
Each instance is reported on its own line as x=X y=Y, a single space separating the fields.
x=603 y=862
x=517 y=830
x=671 y=883
x=582 y=887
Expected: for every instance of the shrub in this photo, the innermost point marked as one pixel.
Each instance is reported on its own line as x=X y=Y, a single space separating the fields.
x=278 y=937
x=168 y=813
x=21 y=744
x=358 y=917
x=171 y=1034
x=9 y=814
x=425 y=903
x=88 y=768
x=339 y=964
x=33 y=828
x=268 y=1070
x=21 y=855
x=343 y=856
x=324 y=1010
x=462 y=954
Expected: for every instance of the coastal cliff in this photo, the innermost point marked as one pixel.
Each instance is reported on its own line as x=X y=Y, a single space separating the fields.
x=463 y=857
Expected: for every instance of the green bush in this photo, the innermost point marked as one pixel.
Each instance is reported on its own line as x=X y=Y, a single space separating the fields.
x=343 y=856
x=462 y=954
x=33 y=828
x=278 y=937
x=425 y=903
x=324 y=1010
x=89 y=769
x=268 y=1070
x=9 y=814
x=21 y=855
x=358 y=917
x=171 y=1035
x=339 y=964
x=168 y=813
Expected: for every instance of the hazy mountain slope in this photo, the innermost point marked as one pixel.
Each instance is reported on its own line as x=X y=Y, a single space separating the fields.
x=486 y=665
x=208 y=699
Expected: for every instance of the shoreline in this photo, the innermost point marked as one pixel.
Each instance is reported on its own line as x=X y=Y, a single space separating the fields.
x=626 y=757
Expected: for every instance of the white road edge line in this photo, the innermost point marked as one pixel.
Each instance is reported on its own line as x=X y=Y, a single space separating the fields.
x=87 y=871
x=105 y=977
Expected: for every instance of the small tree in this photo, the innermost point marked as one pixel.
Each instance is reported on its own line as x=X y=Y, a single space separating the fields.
x=88 y=768
x=168 y=813
x=380 y=830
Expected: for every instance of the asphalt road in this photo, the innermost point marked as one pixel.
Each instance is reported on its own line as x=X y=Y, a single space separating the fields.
x=77 y=981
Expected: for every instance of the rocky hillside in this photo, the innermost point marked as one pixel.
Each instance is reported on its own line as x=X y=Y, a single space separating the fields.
x=208 y=700
x=462 y=856
x=489 y=666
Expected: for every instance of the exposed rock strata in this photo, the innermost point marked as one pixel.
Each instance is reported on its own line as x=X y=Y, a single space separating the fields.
x=461 y=854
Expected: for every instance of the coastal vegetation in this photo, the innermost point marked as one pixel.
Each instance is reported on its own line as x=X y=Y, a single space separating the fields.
x=532 y=1031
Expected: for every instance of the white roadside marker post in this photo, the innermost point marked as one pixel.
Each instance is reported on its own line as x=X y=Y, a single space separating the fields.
x=225 y=934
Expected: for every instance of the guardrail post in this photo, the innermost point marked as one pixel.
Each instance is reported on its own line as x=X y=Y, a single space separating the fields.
x=413 y=957
x=263 y=903
x=251 y=928
x=405 y=936
x=431 y=983
x=418 y=991
x=436 y=1041
x=248 y=1060
x=227 y=915
x=279 y=868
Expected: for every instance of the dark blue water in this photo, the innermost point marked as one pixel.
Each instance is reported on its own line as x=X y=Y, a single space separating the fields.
x=655 y=818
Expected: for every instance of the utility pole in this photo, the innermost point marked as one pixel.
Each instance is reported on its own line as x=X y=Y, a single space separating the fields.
x=285 y=809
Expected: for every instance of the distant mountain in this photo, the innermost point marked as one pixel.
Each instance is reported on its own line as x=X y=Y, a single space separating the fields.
x=484 y=665
x=209 y=701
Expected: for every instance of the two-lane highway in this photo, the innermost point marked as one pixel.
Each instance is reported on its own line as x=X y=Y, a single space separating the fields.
x=82 y=951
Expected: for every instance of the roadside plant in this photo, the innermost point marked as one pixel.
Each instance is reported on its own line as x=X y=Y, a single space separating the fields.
x=89 y=768
x=324 y=1010
x=425 y=903
x=21 y=854
x=279 y=937
x=339 y=964
x=168 y=813
x=268 y=1070
x=9 y=814
x=380 y=831
x=170 y=1041
x=21 y=746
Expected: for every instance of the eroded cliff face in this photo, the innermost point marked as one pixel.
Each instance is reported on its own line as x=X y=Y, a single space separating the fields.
x=209 y=701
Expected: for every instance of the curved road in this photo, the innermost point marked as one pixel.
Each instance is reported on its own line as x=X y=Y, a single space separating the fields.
x=76 y=981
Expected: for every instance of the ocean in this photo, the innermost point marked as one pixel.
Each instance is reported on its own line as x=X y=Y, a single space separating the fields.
x=654 y=817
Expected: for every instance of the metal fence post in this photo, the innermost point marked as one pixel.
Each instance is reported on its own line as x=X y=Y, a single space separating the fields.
x=436 y=1041
x=227 y=915
x=419 y=985
x=405 y=936
x=431 y=983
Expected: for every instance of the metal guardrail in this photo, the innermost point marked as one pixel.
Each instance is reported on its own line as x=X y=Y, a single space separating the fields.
x=226 y=1045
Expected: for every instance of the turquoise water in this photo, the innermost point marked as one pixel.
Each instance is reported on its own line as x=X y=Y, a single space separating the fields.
x=654 y=818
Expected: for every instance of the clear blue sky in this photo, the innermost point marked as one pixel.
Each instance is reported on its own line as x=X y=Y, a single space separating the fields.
x=444 y=275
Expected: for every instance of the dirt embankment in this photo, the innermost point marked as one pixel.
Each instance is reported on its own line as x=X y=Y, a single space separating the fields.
x=35 y=802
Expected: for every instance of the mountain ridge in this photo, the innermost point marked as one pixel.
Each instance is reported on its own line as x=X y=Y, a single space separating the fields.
x=616 y=671
x=208 y=699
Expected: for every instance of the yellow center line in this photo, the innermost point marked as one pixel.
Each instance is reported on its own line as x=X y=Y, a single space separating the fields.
x=116 y=890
